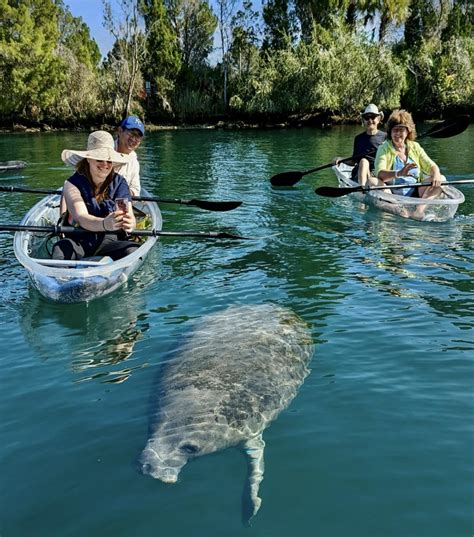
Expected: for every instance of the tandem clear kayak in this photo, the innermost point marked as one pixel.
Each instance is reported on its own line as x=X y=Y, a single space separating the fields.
x=89 y=278
x=432 y=210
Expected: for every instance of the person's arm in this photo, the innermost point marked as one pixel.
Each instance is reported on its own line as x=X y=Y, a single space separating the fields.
x=428 y=166
x=123 y=191
x=133 y=179
x=435 y=175
x=383 y=164
x=78 y=211
x=389 y=175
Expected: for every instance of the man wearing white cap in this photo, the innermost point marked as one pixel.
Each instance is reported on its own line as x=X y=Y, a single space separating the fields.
x=366 y=144
x=129 y=136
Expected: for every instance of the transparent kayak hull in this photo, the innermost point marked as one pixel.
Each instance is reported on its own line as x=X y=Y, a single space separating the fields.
x=76 y=281
x=435 y=210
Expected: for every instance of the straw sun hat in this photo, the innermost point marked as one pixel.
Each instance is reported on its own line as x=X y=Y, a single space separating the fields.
x=100 y=146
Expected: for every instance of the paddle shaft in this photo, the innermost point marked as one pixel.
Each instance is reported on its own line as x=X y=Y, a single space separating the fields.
x=202 y=204
x=336 y=192
x=58 y=229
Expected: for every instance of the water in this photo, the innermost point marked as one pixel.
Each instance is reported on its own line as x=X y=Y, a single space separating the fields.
x=379 y=440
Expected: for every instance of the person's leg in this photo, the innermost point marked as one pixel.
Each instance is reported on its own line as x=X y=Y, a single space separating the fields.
x=67 y=249
x=365 y=177
x=428 y=192
x=363 y=173
x=116 y=249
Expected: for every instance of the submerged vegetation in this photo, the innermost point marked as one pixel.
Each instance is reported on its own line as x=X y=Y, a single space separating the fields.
x=291 y=58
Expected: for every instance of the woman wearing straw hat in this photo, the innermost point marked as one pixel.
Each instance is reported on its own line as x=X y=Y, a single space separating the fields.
x=98 y=199
x=365 y=146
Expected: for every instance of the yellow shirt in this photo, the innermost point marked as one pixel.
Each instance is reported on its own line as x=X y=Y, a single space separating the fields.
x=386 y=154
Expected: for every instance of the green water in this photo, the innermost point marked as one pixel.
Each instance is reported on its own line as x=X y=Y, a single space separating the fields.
x=379 y=440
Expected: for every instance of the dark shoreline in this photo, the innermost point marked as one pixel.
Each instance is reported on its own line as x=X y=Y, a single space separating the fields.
x=316 y=120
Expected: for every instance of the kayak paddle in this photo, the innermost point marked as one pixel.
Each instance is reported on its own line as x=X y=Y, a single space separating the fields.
x=337 y=192
x=202 y=204
x=58 y=229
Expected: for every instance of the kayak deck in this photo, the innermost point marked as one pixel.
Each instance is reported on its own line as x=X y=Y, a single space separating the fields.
x=432 y=210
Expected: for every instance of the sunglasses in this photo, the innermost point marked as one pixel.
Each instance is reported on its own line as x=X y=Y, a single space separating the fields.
x=133 y=134
x=370 y=116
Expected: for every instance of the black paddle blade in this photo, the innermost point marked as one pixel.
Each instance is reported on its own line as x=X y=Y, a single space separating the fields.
x=449 y=127
x=286 y=178
x=215 y=205
x=336 y=192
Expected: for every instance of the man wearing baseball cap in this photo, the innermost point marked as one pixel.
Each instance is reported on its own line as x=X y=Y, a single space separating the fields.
x=130 y=134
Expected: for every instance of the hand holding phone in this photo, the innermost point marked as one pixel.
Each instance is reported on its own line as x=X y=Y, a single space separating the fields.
x=121 y=205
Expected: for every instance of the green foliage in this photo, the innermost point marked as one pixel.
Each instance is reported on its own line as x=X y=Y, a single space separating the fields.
x=31 y=74
x=315 y=57
x=194 y=24
x=336 y=72
x=126 y=61
x=279 y=27
x=163 y=58
x=441 y=75
x=74 y=34
x=244 y=48
x=454 y=74
x=460 y=21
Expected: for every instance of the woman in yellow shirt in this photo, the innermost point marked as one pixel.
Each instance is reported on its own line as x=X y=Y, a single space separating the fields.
x=401 y=160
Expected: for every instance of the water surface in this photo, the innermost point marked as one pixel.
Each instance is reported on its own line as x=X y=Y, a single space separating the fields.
x=379 y=440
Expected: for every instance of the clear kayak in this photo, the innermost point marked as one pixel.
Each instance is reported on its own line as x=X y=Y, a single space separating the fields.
x=84 y=280
x=434 y=210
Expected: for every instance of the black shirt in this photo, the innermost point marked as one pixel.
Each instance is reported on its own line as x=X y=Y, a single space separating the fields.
x=365 y=145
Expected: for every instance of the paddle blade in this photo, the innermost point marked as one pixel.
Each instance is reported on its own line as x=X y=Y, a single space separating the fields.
x=286 y=178
x=449 y=127
x=336 y=192
x=215 y=205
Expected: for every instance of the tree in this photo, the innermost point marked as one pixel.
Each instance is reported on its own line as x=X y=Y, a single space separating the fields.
x=245 y=38
x=279 y=25
x=163 y=59
x=388 y=11
x=75 y=35
x=128 y=55
x=31 y=74
x=460 y=20
x=225 y=13
x=194 y=24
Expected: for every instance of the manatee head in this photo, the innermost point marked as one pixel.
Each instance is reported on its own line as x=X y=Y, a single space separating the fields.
x=163 y=458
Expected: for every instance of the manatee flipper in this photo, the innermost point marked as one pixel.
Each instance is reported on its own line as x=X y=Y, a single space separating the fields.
x=254 y=450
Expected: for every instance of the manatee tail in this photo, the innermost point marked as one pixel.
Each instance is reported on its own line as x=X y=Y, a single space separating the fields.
x=251 y=501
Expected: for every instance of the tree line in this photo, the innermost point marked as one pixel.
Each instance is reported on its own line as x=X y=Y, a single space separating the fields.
x=287 y=58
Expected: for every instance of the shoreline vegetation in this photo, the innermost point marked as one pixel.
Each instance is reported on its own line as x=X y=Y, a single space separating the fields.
x=281 y=63
x=320 y=121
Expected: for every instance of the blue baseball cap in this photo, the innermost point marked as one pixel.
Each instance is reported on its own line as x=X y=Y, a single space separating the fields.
x=132 y=122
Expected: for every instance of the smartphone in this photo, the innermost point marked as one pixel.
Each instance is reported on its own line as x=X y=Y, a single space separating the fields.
x=121 y=204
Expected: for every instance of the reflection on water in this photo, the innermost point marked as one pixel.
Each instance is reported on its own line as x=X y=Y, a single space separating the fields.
x=96 y=338
x=429 y=263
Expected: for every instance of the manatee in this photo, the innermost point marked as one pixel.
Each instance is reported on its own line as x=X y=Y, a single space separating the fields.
x=233 y=375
